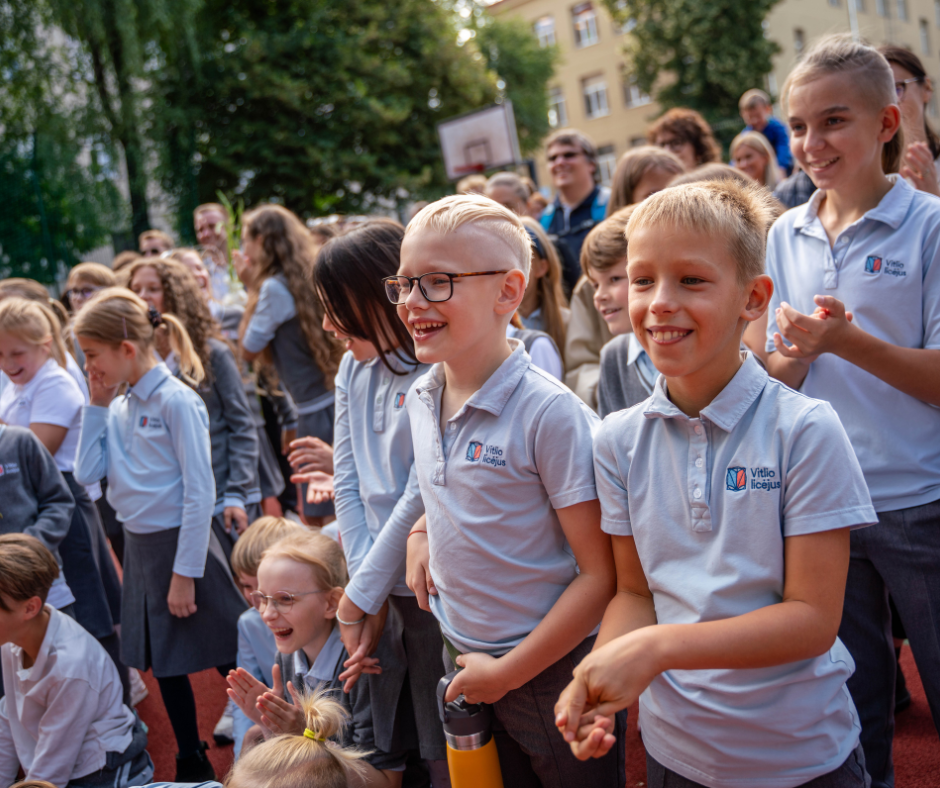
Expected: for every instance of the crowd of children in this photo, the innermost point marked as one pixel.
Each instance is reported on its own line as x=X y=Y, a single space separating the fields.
x=666 y=443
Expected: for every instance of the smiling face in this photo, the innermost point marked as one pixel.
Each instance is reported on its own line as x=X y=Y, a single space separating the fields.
x=210 y=228
x=361 y=349
x=21 y=360
x=835 y=135
x=611 y=297
x=146 y=284
x=197 y=267
x=108 y=364
x=756 y=117
x=751 y=162
x=310 y=619
x=570 y=168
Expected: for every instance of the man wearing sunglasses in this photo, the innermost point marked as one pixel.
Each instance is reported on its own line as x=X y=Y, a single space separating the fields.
x=580 y=202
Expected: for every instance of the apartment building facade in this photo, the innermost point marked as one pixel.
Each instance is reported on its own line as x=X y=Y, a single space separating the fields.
x=592 y=90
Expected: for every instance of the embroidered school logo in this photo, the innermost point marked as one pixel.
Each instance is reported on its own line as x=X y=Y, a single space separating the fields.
x=474 y=451
x=873 y=265
x=153 y=422
x=143 y=421
x=9 y=468
x=736 y=480
x=399 y=400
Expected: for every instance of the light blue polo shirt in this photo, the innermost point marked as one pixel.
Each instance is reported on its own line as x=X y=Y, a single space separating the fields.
x=517 y=450
x=374 y=483
x=884 y=268
x=709 y=502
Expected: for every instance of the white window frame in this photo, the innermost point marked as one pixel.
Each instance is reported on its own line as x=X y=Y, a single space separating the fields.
x=584 y=22
x=902 y=10
x=924 y=29
x=594 y=90
x=606 y=163
x=881 y=8
x=544 y=29
x=936 y=12
x=557 y=109
x=632 y=95
x=799 y=41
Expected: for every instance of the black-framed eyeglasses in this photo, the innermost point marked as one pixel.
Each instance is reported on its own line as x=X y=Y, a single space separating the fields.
x=436 y=286
x=282 y=600
x=567 y=155
x=83 y=292
x=901 y=87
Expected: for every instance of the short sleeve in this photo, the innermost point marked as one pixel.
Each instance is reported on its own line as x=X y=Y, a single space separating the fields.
x=611 y=483
x=825 y=489
x=274 y=308
x=58 y=401
x=563 y=446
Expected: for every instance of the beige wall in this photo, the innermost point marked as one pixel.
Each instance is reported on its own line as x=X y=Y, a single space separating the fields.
x=624 y=124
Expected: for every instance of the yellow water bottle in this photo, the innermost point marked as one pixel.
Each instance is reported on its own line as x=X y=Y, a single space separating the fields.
x=471 y=751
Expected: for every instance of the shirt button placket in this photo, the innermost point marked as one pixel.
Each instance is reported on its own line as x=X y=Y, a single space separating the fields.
x=698 y=477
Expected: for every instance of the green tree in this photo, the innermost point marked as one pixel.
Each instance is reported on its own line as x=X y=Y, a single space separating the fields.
x=524 y=67
x=701 y=55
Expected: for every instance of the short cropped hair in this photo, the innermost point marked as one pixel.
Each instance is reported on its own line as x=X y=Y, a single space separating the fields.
x=263 y=533
x=451 y=213
x=742 y=214
x=211 y=206
x=577 y=139
x=27 y=568
x=753 y=99
x=606 y=245
x=146 y=235
x=472 y=184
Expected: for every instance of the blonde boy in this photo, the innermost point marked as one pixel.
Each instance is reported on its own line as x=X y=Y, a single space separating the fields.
x=256 y=648
x=520 y=567
x=729 y=498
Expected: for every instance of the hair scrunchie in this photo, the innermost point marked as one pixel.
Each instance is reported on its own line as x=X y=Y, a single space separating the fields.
x=311 y=735
x=155 y=317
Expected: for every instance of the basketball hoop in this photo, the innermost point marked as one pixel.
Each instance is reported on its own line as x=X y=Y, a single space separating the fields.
x=478 y=141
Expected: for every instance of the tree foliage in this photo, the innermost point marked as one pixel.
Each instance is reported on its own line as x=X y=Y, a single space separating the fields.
x=701 y=55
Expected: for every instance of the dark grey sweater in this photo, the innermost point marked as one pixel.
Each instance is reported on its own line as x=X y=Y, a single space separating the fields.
x=34 y=498
x=621 y=385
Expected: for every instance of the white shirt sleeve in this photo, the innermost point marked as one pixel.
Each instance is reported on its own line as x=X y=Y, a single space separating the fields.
x=57 y=401
x=275 y=307
x=545 y=357
x=9 y=763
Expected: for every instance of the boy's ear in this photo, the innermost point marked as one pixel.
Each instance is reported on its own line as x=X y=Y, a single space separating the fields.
x=890 y=122
x=760 y=290
x=511 y=292
x=32 y=608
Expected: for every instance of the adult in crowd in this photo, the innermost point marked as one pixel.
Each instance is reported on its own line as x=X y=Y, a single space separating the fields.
x=153 y=243
x=210 y=221
x=580 y=201
x=688 y=135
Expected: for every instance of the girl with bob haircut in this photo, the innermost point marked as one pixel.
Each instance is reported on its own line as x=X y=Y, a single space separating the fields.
x=376 y=493
x=86 y=279
x=283 y=319
x=686 y=134
x=755 y=156
x=180 y=606
x=641 y=172
x=866 y=245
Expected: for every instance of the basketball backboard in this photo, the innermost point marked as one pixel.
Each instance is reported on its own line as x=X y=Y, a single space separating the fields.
x=478 y=141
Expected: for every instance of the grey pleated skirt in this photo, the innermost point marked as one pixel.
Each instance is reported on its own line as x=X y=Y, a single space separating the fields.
x=150 y=635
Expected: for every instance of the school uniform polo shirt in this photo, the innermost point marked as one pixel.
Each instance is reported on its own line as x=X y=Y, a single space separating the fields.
x=885 y=268
x=491 y=481
x=709 y=502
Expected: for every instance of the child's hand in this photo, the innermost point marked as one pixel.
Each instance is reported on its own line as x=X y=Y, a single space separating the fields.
x=243 y=267
x=360 y=640
x=287 y=438
x=277 y=715
x=244 y=689
x=827 y=330
x=99 y=394
x=480 y=681
x=237 y=516
x=319 y=485
x=310 y=454
x=594 y=738
x=919 y=168
x=417 y=571
x=182 y=597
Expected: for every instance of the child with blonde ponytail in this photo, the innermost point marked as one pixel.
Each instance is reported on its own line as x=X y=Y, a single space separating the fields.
x=180 y=607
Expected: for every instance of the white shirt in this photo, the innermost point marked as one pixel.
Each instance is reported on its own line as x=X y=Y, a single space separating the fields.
x=51 y=397
x=543 y=353
x=61 y=717
x=709 y=502
x=324 y=666
x=518 y=450
x=885 y=268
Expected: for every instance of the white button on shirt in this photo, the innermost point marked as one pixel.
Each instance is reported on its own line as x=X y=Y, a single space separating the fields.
x=711 y=543
x=517 y=450
x=885 y=269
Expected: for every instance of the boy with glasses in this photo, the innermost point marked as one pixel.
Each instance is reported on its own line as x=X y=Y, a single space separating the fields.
x=511 y=535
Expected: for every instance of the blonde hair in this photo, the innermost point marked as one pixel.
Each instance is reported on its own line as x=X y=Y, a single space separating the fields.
x=873 y=78
x=451 y=213
x=94 y=273
x=606 y=245
x=123 y=259
x=31 y=290
x=258 y=537
x=754 y=98
x=33 y=322
x=551 y=296
x=308 y=760
x=757 y=141
x=631 y=168
x=740 y=214
x=322 y=554
x=117 y=315
x=211 y=206
x=472 y=184
x=159 y=235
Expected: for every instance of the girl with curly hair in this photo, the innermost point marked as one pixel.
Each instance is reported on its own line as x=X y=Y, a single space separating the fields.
x=284 y=317
x=687 y=134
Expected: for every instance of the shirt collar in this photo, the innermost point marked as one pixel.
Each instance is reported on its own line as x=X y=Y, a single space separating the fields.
x=493 y=395
x=891 y=210
x=41 y=373
x=589 y=200
x=727 y=408
x=324 y=666
x=144 y=388
x=634 y=349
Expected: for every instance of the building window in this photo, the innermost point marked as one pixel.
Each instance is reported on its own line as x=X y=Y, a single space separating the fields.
x=799 y=42
x=595 y=97
x=606 y=163
x=932 y=106
x=834 y=3
x=902 y=10
x=860 y=5
x=881 y=7
x=557 y=116
x=924 y=37
x=584 y=19
x=545 y=31
x=632 y=95
x=936 y=12
x=628 y=22
x=636 y=142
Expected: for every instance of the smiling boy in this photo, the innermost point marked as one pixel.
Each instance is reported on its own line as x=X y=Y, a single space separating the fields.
x=729 y=498
x=502 y=452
